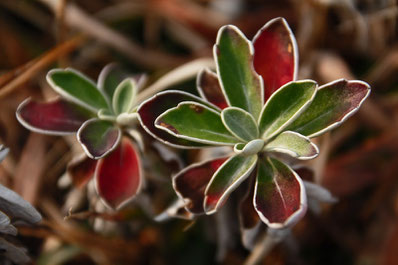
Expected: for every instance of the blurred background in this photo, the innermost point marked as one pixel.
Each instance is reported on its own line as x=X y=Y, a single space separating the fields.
x=358 y=162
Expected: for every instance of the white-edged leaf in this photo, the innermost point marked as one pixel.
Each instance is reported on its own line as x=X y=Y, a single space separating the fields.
x=195 y=122
x=293 y=144
x=251 y=148
x=240 y=123
x=284 y=106
x=226 y=179
x=76 y=87
x=124 y=96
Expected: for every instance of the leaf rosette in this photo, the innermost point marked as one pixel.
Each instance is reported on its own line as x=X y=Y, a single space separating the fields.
x=255 y=104
x=102 y=115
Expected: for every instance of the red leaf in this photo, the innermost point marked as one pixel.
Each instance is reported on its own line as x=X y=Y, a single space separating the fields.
x=81 y=170
x=56 y=117
x=191 y=182
x=279 y=195
x=275 y=55
x=247 y=213
x=249 y=220
x=118 y=176
x=209 y=88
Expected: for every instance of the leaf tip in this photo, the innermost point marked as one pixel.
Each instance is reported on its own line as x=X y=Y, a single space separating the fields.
x=210 y=204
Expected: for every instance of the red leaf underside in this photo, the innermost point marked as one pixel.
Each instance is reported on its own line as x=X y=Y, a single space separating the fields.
x=282 y=208
x=280 y=197
x=54 y=116
x=118 y=175
x=210 y=86
x=274 y=57
x=305 y=173
x=353 y=92
x=81 y=170
x=192 y=183
x=247 y=213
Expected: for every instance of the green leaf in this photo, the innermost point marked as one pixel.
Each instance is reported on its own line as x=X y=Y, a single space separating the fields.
x=240 y=123
x=109 y=78
x=226 y=179
x=251 y=148
x=333 y=104
x=240 y=83
x=98 y=137
x=77 y=88
x=195 y=122
x=123 y=99
x=279 y=194
x=149 y=110
x=293 y=144
x=284 y=106
x=106 y=115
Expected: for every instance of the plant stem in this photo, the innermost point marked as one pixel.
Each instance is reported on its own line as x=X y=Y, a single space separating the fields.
x=266 y=244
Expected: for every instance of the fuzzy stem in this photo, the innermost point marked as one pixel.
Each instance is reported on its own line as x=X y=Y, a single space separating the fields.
x=266 y=244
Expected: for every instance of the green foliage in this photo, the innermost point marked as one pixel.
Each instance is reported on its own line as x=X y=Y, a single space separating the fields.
x=279 y=127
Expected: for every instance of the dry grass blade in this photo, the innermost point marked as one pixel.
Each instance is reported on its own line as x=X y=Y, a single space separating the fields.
x=101 y=249
x=180 y=74
x=29 y=11
x=113 y=217
x=331 y=67
x=188 y=12
x=320 y=163
x=186 y=36
x=32 y=162
x=17 y=77
x=385 y=69
x=77 y=18
x=362 y=166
